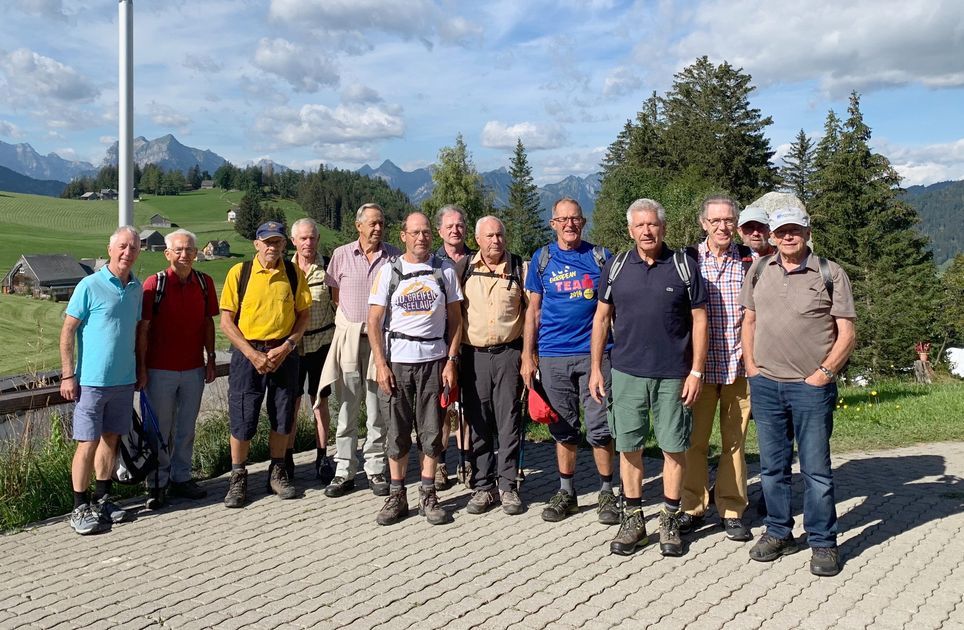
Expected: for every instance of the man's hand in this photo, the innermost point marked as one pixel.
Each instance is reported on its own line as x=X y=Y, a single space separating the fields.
x=450 y=375
x=528 y=369
x=385 y=378
x=277 y=355
x=597 y=386
x=817 y=379
x=210 y=370
x=69 y=389
x=260 y=362
x=751 y=370
x=691 y=390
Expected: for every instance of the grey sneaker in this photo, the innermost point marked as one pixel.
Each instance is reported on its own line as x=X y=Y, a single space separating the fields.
x=736 y=530
x=86 y=520
x=429 y=508
x=482 y=501
x=608 y=509
x=280 y=484
x=631 y=534
x=237 y=489
x=441 y=476
x=110 y=511
x=561 y=505
x=768 y=548
x=825 y=561
x=670 y=543
x=395 y=508
x=512 y=502
x=379 y=485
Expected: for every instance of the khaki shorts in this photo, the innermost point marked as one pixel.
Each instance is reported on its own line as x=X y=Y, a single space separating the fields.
x=632 y=400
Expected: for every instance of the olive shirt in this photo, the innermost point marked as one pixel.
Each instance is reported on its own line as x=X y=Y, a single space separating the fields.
x=321 y=318
x=269 y=309
x=795 y=327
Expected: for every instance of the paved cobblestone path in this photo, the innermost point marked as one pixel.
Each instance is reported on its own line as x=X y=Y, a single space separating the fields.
x=316 y=562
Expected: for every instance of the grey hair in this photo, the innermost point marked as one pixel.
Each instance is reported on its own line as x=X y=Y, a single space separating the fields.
x=734 y=206
x=125 y=228
x=566 y=200
x=409 y=216
x=169 y=239
x=447 y=209
x=478 y=224
x=302 y=222
x=367 y=206
x=646 y=205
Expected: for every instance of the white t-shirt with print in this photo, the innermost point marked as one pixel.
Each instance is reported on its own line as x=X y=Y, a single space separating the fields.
x=418 y=309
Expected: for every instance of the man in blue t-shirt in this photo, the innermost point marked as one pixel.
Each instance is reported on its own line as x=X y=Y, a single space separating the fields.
x=562 y=285
x=102 y=314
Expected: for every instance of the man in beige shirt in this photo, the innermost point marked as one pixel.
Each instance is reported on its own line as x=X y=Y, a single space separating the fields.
x=493 y=313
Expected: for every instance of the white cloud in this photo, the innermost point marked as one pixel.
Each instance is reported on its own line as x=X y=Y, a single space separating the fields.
x=925 y=164
x=321 y=125
x=167 y=117
x=67 y=153
x=358 y=93
x=580 y=162
x=535 y=136
x=201 y=63
x=31 y=77
x=10 y=130
x=44 y=8
x=107 y=140
x=620 y=81
x=862 y=44
x=303 y=70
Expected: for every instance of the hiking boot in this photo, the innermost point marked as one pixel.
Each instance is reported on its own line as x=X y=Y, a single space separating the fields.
x=156 y=499
x=290 y=465
x=429 y=508
x=825 y=561
x=379 y=485
x=86 y=520
x=187 y=490
x=561 y=505
x=339 y=487
x=631 y=534
x=237 y=489
x=670 y=543
x=689 y=523
x=280 y=484
x=324 y=471
x=608 y=508
x=441 y=477
x=512 y=502
x=395 y=508
x=736 y=530
x=768 y=548
x=482 y=501
x=110 y=511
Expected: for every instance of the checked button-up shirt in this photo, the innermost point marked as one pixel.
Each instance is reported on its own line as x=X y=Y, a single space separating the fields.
x=724 y=281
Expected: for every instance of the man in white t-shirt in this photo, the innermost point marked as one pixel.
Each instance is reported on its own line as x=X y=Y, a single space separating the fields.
x=415 y=301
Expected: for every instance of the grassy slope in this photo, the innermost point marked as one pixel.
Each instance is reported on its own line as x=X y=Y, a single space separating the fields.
x=32 y=224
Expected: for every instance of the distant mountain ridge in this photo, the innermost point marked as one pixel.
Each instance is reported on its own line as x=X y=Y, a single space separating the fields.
x=169 y=154
x=940 y=207
x=24 y=159
x=12 y=181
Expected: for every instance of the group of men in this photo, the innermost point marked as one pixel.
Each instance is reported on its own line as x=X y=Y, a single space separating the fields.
x=649 y=341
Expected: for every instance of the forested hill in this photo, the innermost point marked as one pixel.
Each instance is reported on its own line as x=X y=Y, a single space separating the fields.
x=941 y=209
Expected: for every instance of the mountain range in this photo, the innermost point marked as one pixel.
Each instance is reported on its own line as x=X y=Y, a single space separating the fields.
x=12 y=181
x=23 y=159
x=169 y=154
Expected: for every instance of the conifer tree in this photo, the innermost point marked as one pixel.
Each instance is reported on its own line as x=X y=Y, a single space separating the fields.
x=458 y=182
x=798 y=168
x=248 y=217
x=526 y=228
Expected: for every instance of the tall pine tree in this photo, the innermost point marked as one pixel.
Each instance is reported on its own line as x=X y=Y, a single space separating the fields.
x=798 y=168
x=526 y=229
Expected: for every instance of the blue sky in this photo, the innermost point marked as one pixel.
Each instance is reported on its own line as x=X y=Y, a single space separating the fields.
x=348 y=82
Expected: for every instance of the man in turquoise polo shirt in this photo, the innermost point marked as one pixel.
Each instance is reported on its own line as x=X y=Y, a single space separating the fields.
x=102 y=314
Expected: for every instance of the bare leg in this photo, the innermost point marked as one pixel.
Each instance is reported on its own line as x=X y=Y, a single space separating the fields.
x=631 y=474
x=83 y=464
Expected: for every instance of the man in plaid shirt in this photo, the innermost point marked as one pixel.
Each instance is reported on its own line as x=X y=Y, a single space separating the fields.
x=723 y=264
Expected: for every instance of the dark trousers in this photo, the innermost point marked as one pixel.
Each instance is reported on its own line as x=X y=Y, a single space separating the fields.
x=247 y=390
x=491 y=389
x=414 y=404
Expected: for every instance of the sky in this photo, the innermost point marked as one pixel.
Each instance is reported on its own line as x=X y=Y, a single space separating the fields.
x=349 y=82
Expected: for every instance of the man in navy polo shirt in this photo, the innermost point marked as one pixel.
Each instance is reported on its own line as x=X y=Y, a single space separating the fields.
x=562 y=285
x=656 y=303
x=102 y=315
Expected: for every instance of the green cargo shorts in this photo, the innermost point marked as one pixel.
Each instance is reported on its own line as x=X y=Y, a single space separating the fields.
x=631 y=401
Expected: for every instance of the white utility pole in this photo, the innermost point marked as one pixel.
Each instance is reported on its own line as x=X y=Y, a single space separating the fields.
x=125 y=103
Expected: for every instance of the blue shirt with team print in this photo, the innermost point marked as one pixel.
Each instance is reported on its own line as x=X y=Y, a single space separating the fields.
x=569 y=286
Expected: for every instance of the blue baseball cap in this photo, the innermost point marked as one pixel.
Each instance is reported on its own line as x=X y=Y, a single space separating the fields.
x=270 y=230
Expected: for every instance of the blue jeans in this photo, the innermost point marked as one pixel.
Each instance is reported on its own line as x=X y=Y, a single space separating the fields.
x=781 y=411
x=176 y=399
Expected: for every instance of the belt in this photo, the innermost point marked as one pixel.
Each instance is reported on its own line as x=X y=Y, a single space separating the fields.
x=261 y=344
x=498 y=348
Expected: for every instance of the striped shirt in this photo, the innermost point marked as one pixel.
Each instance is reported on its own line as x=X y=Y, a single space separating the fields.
x=321 y=315
x=350 y=272
x=724 y=281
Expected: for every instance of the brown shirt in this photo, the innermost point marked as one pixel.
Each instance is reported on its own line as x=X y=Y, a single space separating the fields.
x=795 y=326
x=493 y=312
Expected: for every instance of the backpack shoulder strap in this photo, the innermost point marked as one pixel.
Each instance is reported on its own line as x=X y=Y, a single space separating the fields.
x=746 y=256
x=599 y=255
x=543 y=260
x=614 y=270
x=464 y=269
x=242 y=287
x=683 y=270
x=396 y=271
x=439 y=279
x=292 y=272
x=159 y=291
x=825 y=274
x=764 y=261
x=202 y=280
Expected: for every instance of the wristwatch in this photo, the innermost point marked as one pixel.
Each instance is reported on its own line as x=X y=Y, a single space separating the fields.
x=697 y=374
x=291 y=343
x=827 y=372
x=454 y=358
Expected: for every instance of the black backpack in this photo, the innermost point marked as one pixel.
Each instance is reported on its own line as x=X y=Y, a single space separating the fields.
x=822 y=264
x=139 y=448
x=679 y=261
x=598 y=254
x=162 y=285
x=515 y=271
x=290 y=271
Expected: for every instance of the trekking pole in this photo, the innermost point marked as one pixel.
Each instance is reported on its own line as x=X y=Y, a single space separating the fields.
x=520 y=475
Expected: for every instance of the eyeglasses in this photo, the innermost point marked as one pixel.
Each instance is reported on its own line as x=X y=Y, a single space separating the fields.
x=717 y=222
x=573 y=220
x=421 y=234
x=183 y=250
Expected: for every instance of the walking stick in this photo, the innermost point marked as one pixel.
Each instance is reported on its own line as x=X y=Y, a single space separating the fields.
x=520 y=475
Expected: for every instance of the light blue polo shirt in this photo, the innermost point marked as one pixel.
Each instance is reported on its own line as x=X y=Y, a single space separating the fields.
x=108 y=314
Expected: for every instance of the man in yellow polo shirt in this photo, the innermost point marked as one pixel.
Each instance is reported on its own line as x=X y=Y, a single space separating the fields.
x=264 y=313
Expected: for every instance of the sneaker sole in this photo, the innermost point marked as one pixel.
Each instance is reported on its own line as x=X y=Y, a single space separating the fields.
x=622 y=551
x=99 y=528
x=822 y=573
x=784 y=551
x=743 y=538
x=670 y=552
x=612 y=519
x=334 y=493
x=514 y=510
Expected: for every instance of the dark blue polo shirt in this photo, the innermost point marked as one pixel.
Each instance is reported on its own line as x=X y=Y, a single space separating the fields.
x=653 y=325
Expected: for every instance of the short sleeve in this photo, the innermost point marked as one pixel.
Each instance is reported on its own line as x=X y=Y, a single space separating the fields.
x=746 y=293
x=229 y=294
x=700 y=295
x=331 y=273
x=843 y=298
x=533 y=281
x=379 y=294
x=147 y=304
x=211 y=308
x=453 y=291
x=303 y=295
x=79 y=305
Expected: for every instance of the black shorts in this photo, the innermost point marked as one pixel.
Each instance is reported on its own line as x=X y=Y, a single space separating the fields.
x=247 y=390
x=311 y=366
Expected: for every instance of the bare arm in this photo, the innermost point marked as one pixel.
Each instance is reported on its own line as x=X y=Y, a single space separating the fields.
x=601 y=323
x=383 y=371
x=140 y=352
x=70 y=388
x=839 y=352
x=693 y=384
x=530 y=336
x=746 y=338
x=454 y=326
x=334 y=295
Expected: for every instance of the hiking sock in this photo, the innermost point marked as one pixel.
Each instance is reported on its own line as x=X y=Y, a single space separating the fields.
x=321 y=452
x=289 y=455
x=397 y=484
x=278 y=461
x=237 y=467
x=101 y=489
x=428 y=482
x=632 y=504
x=671 y=505
x=80 y=498
x=565 y=483
x=606 y=483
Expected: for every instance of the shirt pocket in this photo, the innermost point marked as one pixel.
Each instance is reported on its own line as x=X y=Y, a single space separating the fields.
x=810 y=300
